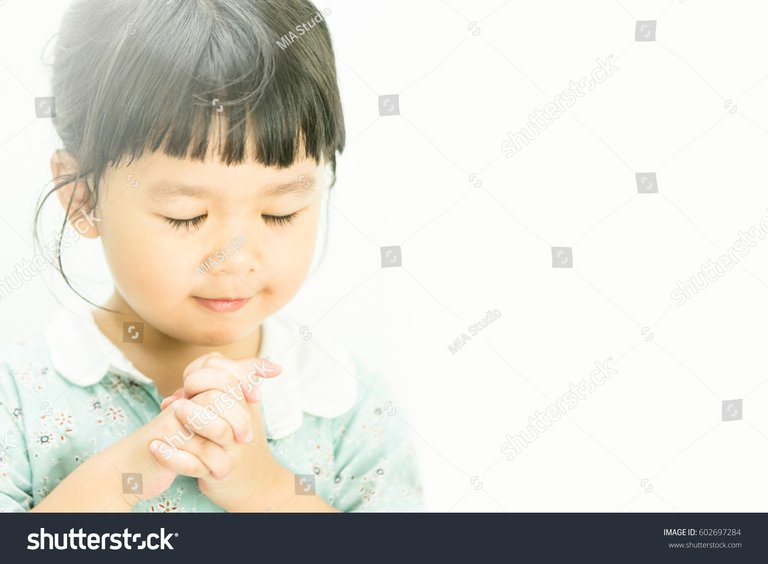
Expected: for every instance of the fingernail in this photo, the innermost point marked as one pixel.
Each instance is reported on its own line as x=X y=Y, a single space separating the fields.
x=249 y=438
x=264 y=367
x=154 y=446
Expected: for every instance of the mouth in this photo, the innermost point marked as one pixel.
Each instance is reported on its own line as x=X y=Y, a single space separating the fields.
x=222 y=305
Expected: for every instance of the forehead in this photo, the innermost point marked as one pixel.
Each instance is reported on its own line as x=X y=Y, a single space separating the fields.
x=162 y=177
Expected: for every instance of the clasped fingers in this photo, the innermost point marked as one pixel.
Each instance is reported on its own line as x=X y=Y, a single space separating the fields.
x=215 y=416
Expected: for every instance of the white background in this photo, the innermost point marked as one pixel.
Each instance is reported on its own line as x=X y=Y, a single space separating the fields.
x=689 y=106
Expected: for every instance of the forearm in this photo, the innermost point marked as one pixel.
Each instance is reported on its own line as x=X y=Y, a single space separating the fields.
x=94 y=486
x=283 y=498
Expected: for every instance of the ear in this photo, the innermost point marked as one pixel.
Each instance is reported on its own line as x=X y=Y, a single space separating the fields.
x=81 y=212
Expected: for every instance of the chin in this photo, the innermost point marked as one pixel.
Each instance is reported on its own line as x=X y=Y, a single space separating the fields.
x=218 y=338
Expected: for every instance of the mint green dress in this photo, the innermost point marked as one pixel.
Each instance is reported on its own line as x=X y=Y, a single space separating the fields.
x=362 y=460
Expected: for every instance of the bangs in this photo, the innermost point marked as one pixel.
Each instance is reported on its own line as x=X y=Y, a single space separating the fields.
x=197 y=79
x=202 y=78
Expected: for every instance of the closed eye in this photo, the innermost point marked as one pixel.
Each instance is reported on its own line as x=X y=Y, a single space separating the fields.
x=280 y=220
x=192 y=222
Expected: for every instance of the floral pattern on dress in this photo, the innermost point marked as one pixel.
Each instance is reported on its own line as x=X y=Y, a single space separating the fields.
x=363 y=460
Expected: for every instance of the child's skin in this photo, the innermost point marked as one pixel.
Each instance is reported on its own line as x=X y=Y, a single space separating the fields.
x=154 y=265
x=235 y=473
x=187 y=349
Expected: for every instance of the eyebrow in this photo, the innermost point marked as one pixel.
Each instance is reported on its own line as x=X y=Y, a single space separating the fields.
x=169 y=189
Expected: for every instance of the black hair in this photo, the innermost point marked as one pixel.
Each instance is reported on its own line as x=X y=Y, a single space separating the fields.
x=136 y=76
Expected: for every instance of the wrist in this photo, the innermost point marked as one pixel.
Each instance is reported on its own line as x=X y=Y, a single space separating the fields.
x=281 y=496
x=271 y=492
x=130 y=455
x=100 y=470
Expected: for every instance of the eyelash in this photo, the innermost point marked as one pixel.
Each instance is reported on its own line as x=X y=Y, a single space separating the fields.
x=279 y=220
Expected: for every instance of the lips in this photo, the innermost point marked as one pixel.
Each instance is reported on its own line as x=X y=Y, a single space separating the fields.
x=222 y=305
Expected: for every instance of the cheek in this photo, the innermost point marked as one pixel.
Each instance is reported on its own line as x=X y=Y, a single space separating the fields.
x=146 y=266
x=296 y=249
x=291 y=257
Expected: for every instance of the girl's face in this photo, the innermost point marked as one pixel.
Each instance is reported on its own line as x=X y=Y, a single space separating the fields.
x=236 y=245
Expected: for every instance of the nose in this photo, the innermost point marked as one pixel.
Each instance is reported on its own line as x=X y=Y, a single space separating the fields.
x=236 y=256
x=241 y=255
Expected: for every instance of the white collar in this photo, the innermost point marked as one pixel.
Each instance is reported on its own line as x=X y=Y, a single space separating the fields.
x=317 y=378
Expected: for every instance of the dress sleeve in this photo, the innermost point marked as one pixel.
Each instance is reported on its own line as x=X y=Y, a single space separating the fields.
x=15 y=471
x=375 y=461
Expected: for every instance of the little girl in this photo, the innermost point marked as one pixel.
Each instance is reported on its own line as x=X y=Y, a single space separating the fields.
x=196 y=143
